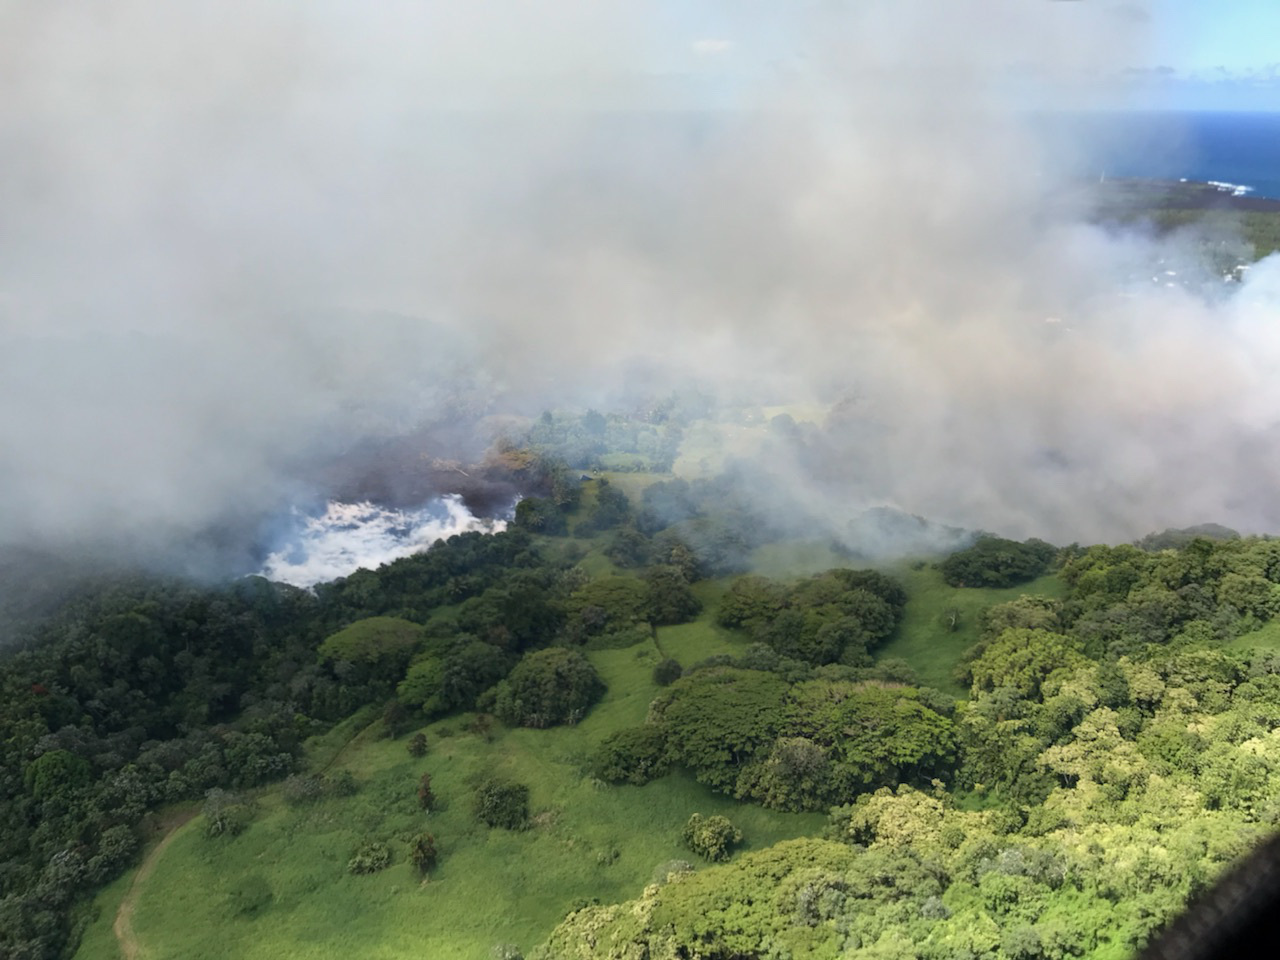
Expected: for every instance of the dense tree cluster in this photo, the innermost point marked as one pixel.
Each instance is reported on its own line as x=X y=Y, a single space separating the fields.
x=1116 y=753
x=804 y=745
x=546 y=688
x=834 y=617
x=146 y=692
x=612 y=442
x=996 y=562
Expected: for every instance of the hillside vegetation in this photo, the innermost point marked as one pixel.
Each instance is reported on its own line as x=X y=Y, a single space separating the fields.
x=620 y=730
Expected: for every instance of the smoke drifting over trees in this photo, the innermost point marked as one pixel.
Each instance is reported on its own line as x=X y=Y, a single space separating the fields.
x=238 y=239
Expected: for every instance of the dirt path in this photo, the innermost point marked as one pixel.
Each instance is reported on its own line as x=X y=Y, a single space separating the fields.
x=169 y=827
x=123 y=926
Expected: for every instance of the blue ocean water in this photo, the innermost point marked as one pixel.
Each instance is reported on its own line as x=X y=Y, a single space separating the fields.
x=1237 y=148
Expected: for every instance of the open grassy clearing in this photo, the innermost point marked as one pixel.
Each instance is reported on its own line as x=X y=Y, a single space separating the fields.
x=815 y=413
x=787 y=559
x=708 y=445
x=492 y=886
x=634 y=484
x=926 y=640
x=1266 y=637
x=99 y=940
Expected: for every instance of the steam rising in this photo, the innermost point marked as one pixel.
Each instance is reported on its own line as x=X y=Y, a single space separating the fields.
x=348 y=536
x=239 y=238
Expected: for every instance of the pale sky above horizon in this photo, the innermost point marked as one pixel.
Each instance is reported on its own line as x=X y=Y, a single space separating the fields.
x=1193 y=54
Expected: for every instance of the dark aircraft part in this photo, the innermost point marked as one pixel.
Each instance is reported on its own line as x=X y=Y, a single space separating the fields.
x=1239 y=917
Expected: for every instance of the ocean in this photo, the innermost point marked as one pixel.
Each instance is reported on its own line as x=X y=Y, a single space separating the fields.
x=1235 y=148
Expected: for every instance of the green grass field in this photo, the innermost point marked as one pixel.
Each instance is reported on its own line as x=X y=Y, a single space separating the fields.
x=492 y=886
x=925 y=639
x=1265 y=638
x=796 y=558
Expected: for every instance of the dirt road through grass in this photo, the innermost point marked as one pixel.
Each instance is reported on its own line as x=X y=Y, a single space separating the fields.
x=123 y=926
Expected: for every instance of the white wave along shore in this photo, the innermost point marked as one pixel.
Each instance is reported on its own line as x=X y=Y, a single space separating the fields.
x=348 y=536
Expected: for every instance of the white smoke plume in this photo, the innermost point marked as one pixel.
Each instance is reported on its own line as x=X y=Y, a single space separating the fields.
x=239 y=237
x=348 y=536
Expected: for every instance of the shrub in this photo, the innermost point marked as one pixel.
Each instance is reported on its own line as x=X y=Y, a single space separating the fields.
x=636 y=755
x=670 y=599
x=711 y=837
x=369 y=858
x=502 y=803
x=225 y=814
x=608 y=602
x=422 y=852
x=342 y=784
x=667 y=672
x=426 y=797
x=300 y=789
x=308 y=788
x=418 y=745
x=662 y=872
x=396 y=719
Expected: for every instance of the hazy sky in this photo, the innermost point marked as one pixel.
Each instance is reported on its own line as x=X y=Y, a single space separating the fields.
x=1193 y=54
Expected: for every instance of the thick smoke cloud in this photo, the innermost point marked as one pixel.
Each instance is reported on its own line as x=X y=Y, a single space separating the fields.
x=238 y=239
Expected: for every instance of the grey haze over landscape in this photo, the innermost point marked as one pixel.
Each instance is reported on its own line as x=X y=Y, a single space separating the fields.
x=240 y=239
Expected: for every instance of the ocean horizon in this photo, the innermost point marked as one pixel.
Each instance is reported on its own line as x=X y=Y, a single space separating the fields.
x=1241 y=149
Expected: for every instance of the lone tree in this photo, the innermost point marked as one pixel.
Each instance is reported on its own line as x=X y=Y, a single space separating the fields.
x=422 y=853
x=418 y=745
x=711 y=837
x=426 y=797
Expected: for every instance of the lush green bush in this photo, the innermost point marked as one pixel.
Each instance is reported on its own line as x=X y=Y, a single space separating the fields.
x=635 y=755
x=452 y=678
x=426 y=796
x=548 y=687
x=372 y=641
x=225 y=814
x=832 y=617
x=369 y=857
x=611 y=509
x=799 y=745
x=422 y=853
x=667 y=672
x=56 y=772
x=629 y=548
x=301 y=789
x=606 y=604
x=750 y=601
x=711 y=837
x=539 y=515
x=669 y=598
x=502 y=803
